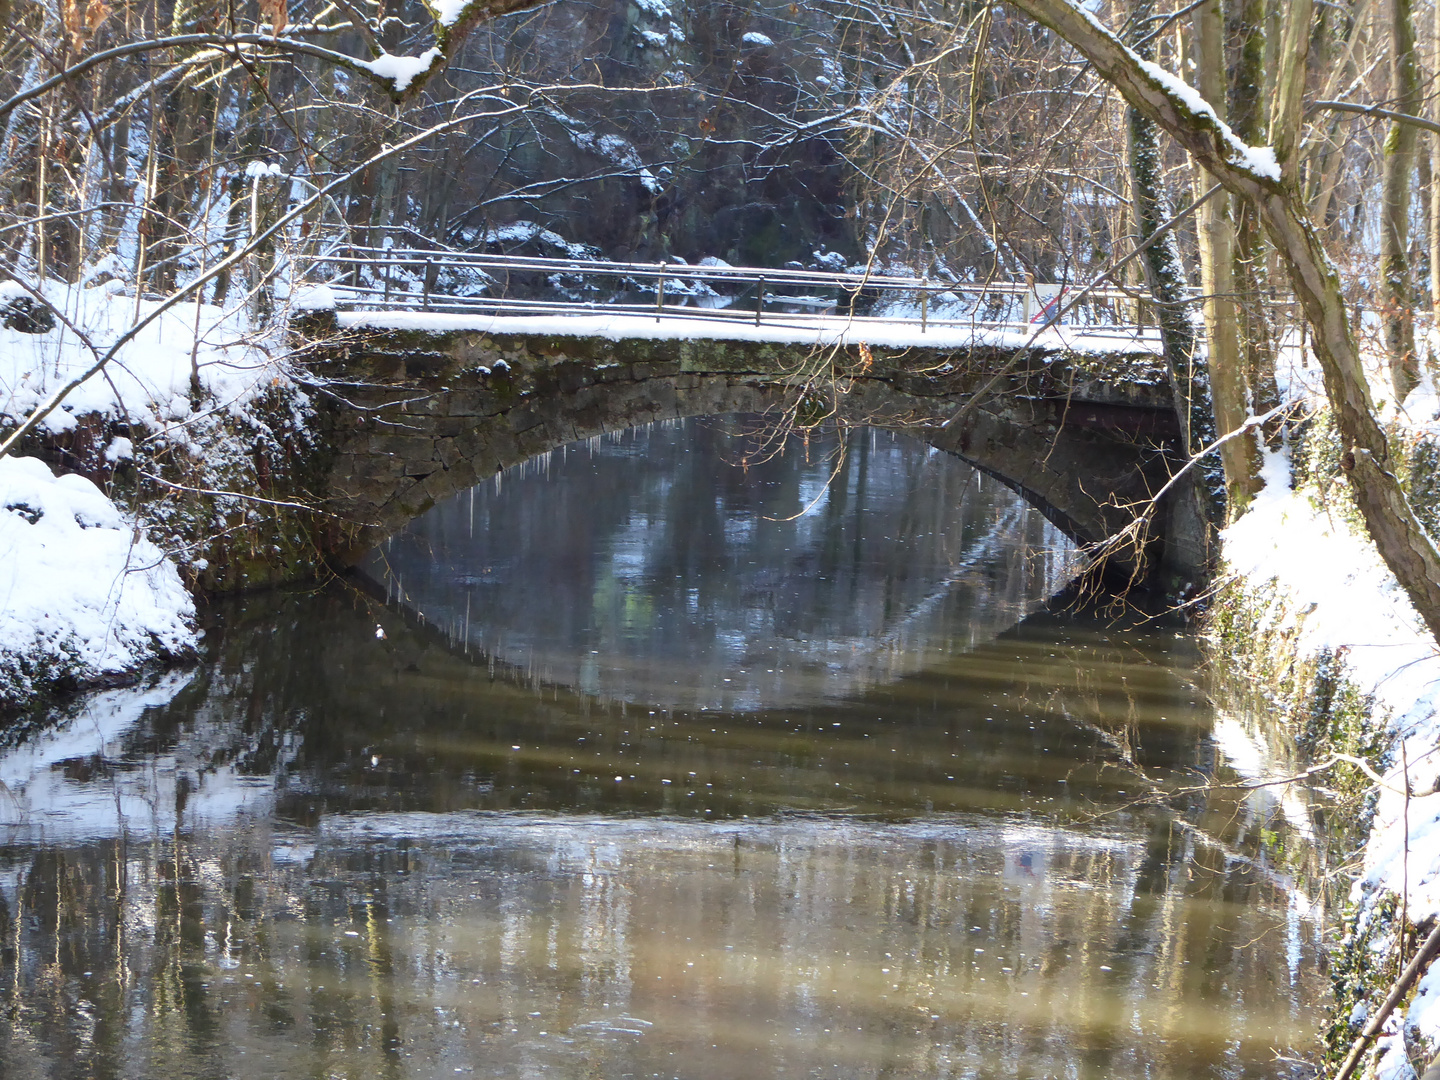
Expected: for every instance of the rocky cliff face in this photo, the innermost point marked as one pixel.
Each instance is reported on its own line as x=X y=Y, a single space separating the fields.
x=688 y=137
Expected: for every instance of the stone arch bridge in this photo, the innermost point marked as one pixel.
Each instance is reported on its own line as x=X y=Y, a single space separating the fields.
x=410 y=417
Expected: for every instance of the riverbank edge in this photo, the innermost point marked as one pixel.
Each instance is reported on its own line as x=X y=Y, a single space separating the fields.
x=227 y=497
x=1304 y=705
x=1311 y=687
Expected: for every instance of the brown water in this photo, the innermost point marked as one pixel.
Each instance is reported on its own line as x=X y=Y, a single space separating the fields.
x=371 y=840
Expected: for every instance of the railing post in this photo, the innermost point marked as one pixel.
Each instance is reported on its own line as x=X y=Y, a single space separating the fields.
x=425 y=296
x=759 y=300
x=659 y=296
x=924 y=306
x=386 y=264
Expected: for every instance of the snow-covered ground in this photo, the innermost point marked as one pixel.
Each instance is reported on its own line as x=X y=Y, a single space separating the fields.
x=1333 y=593
x=148 y=381
x=84 y=595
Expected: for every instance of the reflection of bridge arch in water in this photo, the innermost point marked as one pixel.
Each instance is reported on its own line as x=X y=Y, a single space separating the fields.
x=652 y=568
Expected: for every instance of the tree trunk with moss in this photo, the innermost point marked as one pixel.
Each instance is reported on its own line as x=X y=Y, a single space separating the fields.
x=1397 y=293
x=1215 y=228
x=1257 y=340
x=1433 y=150
x=1165 y=279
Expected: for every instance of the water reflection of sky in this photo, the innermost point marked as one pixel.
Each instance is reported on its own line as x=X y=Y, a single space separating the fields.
x=696 y=564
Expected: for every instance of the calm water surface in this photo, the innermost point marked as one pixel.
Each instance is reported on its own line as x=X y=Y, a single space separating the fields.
x=662 y=758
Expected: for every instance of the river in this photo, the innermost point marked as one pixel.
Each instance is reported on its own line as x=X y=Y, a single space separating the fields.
x=697 y=752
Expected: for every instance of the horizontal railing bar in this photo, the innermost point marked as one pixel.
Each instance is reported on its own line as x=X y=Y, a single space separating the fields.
x=639 y=269
x=854 y=282
x=693 y=310
x=408 y=303
x=393 y=272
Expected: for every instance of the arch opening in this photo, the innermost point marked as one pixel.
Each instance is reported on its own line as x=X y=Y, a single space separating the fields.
x=710 y=563
x=424 y=420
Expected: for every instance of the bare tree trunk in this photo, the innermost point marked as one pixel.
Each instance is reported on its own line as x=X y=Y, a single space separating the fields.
x=1401 y=540
x=1246 y=120
x=1338 y=40
x=1433 y=150
x=1165 y=278
x=1215 y=229
x=1288 y=104
x=1397 y=295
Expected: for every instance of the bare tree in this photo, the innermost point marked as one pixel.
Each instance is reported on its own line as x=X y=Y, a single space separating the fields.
x=1267 y=182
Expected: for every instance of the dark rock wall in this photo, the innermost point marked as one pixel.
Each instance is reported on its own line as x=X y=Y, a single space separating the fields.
x=683 y=144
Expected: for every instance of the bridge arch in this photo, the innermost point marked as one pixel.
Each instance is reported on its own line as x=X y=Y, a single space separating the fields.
x=415 y=416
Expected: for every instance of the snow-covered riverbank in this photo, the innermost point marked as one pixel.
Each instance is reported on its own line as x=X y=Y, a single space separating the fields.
x=92 y=591
x=85 y=596
x=1317 y=599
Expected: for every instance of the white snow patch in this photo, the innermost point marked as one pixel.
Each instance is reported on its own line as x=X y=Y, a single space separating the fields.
x=521 y=232
x=1423 y=1015
x=402 y=70
x=448 y=12
x=82 y=590
x=1338 y=593
x=616 y=150
x=813 y=331
x=758 y=40
x=80 y=585
x=1259 y=160
x=148 y=381
x=313 y=298
x=1392 y=1063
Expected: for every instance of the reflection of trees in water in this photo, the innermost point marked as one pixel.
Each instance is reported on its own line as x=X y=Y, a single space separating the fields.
x=679 y=565
x=386 y=950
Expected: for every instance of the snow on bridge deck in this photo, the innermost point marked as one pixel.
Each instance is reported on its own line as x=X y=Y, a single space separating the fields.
x=810 y=330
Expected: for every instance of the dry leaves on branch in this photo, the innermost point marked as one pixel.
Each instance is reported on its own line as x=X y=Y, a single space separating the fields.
x=277 y=14
x=82 y=18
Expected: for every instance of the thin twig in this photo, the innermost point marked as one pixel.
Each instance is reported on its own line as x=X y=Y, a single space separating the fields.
x=1061 y=311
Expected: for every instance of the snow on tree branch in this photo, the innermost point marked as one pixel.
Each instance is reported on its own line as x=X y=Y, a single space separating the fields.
x=401 y=71
x=1170 y=102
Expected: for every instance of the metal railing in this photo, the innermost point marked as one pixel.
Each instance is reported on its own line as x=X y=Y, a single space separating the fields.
x=417 y=279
